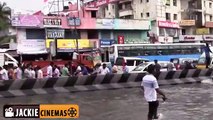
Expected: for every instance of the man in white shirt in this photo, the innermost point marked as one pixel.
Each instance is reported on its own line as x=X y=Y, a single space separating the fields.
x=150 y=86
x=171 y=66
x=39 y=73
x=50 y=70
x=56 y=71
x=18 y=72
x=4 y=74
x=104 y=70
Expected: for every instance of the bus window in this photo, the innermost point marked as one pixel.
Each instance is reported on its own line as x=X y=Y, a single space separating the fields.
x=111 y=50
x=119 y=61
x=130 y=62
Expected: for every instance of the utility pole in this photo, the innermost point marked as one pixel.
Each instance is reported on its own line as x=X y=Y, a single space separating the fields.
x=76 y=35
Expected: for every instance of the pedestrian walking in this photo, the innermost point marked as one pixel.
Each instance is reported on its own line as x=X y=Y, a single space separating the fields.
x=27 y=73
x=207 y=52
x=39 y=73
x=56 y=72
x=171 y=66
x=18 y=72
x=50 y=70
x=157 y=66
x=65 y=71
x=151 y=88
x=4 y=73
x=125 y=68
x=104 y=70
x=32 y=72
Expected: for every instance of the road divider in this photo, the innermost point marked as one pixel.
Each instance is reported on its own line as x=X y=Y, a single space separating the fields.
x=12 y=88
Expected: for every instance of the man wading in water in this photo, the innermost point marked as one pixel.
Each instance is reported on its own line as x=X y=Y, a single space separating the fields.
x=150 y=86
x=207 y=51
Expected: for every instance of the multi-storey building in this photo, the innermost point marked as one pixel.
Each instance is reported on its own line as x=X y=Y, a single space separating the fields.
x=36 y=33
x=197 y=20
x=163 y=14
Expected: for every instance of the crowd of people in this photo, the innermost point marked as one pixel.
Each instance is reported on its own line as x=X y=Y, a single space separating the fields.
x=29 y=71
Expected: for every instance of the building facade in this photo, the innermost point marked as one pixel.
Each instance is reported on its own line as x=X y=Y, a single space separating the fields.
x=196 y=21
x=164 y=16
x=40 y=34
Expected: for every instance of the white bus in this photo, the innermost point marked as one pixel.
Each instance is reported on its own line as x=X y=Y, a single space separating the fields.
x=161 y=52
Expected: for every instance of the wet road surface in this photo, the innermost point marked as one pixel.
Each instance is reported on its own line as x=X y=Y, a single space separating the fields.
x=186 y=102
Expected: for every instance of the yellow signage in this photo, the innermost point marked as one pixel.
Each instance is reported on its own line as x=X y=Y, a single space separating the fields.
x=70 y=43
x=187 y=22
x=59 y=111
x=41 y=111
x=202 y=31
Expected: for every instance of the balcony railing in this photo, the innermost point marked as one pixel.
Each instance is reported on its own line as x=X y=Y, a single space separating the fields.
x=125 y=12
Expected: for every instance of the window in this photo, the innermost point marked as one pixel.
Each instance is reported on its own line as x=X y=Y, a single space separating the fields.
x=147 y=14
x=211 y=18
x=141 y=15
x=175 y=17
x=168 y=16
x=130 y=62
x=113 y=6
x=210 y=5
x=183 y=31
x=204 y=3
x=107 y=7
x=174 y=2
x=147 y=0
x=161 y=32
x=141 y=1
x=93 y=14
x=119 y=61
x=168 y=2
x=35 y=33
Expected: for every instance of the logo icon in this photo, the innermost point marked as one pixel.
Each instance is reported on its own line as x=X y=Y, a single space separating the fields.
x=9 y=112
x=72 y=112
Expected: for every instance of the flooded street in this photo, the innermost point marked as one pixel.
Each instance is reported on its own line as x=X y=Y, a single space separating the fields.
x=186 y=102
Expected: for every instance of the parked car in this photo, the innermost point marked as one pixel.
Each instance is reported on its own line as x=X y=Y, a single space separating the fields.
x=142 y=68
x=131 y=62
x=180 y=63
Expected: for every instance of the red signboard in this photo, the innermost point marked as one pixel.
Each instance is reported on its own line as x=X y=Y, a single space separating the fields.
x=209 y=24
x=168 y=24
x=120 y=39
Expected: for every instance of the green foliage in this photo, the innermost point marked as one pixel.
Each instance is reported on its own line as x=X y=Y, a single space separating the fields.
x=6 y=39
x=5 y=13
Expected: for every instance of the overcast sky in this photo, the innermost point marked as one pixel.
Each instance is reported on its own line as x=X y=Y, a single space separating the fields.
x=29 y=5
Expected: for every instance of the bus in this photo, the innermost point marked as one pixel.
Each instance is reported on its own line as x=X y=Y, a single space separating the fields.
x=161 y=52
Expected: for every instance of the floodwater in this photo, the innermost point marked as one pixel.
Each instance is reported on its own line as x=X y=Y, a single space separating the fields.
x=186 y=102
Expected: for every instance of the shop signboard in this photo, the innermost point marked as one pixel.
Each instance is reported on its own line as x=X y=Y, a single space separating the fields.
x=106 y=42
x=31 y=47
x=52 y=22
x=168 y=24
x=26 y=21
x=55 y=33
x=68 y=45
x=202 y=31
x=187 y=23
x=74 y=21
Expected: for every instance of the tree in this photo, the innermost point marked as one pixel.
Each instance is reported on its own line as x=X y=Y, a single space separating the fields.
x=4 y=16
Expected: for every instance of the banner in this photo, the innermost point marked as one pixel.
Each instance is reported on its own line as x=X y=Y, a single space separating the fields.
x=55 y=33
x=52 y=22
x=68 y=45
x=202 y=31
x=32 y=47
x=187 y=23
x=168 y=24
x=26 y=21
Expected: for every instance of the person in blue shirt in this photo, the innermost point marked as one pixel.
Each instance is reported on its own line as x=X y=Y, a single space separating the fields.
x=207 y=51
